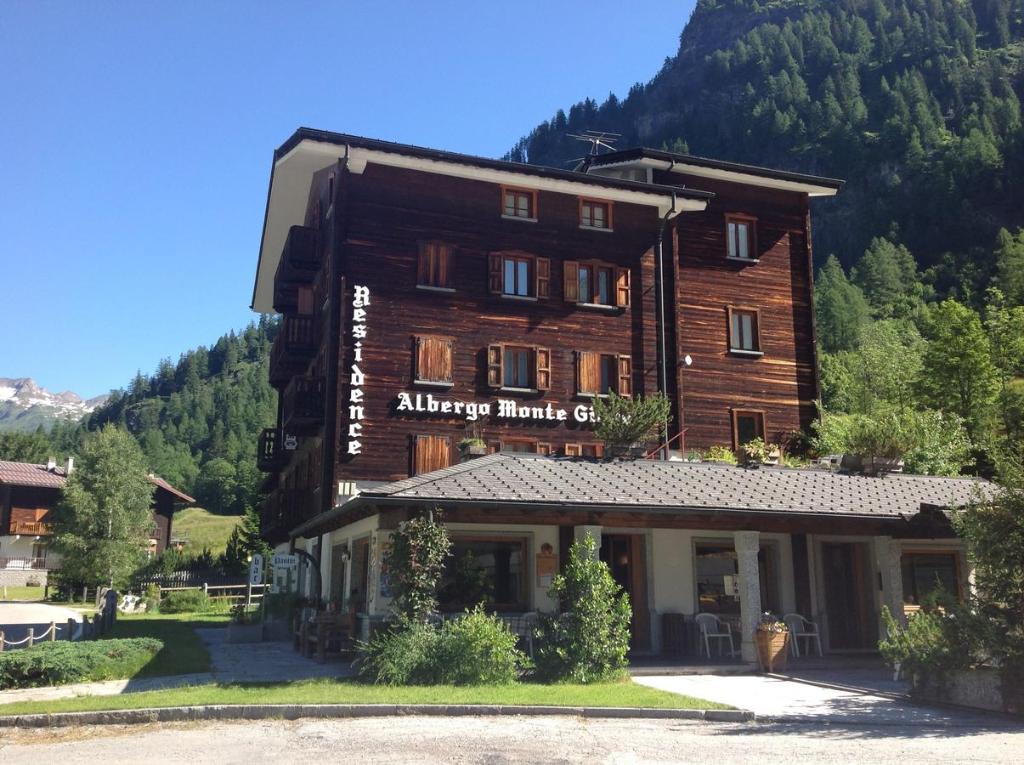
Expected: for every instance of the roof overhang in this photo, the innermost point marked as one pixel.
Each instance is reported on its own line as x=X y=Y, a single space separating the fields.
x=308 y=152
x=810 y=185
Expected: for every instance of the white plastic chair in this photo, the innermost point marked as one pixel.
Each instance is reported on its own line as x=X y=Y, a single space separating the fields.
x=713 y=628
x=799 y=627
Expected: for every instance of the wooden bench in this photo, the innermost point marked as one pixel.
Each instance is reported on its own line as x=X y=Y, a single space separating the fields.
x=326 y=634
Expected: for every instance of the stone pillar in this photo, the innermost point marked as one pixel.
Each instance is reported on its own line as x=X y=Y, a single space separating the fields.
x=888 y=558
x=593 y=531
x=748 y=544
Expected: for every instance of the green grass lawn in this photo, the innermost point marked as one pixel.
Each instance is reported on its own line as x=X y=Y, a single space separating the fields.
x=10 y=592
x=204 y=529
x=183 y=652
x=621 y=694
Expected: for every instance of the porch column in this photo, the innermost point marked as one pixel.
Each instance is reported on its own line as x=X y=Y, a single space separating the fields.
x=748 y=544
x=888 y=555
x=579 y=532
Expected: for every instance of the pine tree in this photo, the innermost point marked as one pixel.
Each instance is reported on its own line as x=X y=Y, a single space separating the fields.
x=840 y=308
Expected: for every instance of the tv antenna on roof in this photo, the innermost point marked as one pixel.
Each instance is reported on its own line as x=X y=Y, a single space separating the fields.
x=597 y=139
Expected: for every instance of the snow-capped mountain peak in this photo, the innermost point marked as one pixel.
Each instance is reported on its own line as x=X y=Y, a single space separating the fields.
x=24 y=404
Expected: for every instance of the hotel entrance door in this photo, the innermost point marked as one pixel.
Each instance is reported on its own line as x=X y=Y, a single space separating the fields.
x=849 y=605
x=625 y=556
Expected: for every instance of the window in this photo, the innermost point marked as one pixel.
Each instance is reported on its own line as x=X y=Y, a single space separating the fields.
x=744 y=330
x=434 y=269
x=431 y=453
x=746 y=426
x=434 y=360
x=741 y=236
x=520 y=445
x=717 y=577
x=595 y=284
x=488 y=570
x=584 y=450
x=927 y=572
x=602 y=373
x=518 y=367
x=519 y=203
x=594 y=214
x=519 y=275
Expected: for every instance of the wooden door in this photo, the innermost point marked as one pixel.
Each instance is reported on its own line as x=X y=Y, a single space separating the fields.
x=625 y=556
x=848 y=607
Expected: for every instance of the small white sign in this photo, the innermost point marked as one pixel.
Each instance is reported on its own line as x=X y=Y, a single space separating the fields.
x=256 y=569
x=285 y=561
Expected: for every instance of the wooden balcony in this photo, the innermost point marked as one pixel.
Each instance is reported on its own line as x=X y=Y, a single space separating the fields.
x=29 y=528
x=299 y=264
x=26 y=564
x=270 y=456
x=283 y=510
x=293 y=347
x=303 y=406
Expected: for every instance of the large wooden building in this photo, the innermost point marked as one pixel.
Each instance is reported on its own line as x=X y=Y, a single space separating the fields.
x=429 y=298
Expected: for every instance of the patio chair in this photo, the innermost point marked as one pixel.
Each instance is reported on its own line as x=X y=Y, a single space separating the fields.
x=523 y=627
x=713 y=628
x=799 y=627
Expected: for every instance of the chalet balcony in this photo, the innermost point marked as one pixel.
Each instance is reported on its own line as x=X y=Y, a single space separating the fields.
x=303 y=406
x=29 y=528
x=270 y=456
x=293 y=347
x=26 y=564
x=300 y=262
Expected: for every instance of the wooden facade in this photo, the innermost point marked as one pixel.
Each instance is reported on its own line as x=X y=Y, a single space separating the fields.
x=479 y=290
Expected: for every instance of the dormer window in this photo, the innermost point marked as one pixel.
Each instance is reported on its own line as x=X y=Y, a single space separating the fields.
x=741 y=237
x=595 y=214
x=519 y=203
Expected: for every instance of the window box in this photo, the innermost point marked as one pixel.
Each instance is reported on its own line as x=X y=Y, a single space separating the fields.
x=745 y=261
x=430 y=288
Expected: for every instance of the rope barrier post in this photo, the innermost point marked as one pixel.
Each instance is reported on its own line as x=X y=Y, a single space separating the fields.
x=71 y=630
x=31 y=636
x=53 y=631
x=85 y=593
x=1 y=641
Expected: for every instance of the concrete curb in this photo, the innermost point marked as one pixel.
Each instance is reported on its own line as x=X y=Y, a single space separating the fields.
x=324 y=711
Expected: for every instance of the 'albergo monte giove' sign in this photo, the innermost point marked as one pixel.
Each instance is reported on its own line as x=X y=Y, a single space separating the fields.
x=502 y=408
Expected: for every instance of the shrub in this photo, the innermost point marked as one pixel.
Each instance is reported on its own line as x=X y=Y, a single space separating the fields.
x=63 y=662
x=587 y=640
x=186 y=602
x=415 y=561
x=151 y=598
x=477 y=649
x=936 y=641
x=625 y=422
x=720 y=454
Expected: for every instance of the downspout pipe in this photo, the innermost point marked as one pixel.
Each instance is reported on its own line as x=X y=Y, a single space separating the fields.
x=662 y=329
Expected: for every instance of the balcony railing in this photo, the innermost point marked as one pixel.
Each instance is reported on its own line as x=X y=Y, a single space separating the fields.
x=270 y=455
x=303 y=405
x=293 y=347
x=300 y=261
x=284 y=509
x=25 y=564
x=30 y=528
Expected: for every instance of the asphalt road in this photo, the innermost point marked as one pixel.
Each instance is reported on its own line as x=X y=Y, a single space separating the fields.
x=510 y=739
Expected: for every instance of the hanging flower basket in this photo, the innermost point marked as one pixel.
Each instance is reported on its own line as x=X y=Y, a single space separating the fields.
x=772 y=640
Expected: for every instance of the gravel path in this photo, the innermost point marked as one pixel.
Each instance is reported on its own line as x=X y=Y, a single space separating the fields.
x=512 y=739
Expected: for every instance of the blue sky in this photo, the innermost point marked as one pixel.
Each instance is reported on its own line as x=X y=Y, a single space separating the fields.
x=138 y=136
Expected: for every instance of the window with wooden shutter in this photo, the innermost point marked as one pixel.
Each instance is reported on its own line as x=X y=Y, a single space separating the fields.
x=542 y=357
x=434 y=269
x=592 y=450
x=572 y=450
x=431 y=453
x=495 y=371
x=625 y=381
x=588 y=372
x=543 y=448
x=434 y=359
x=495 y=270
x=571 y=281
x=622 y=287
x=543 y=270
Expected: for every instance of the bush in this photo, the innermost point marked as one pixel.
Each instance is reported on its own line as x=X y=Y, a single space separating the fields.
x=415 y=561
x=477 y=649
x=720 y=454
x=624 y=422
x=151 y=598
x=186 y=602
x=587 y=641
x=63 y=662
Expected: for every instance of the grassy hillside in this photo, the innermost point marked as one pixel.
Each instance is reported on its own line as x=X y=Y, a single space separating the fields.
x=204 y=529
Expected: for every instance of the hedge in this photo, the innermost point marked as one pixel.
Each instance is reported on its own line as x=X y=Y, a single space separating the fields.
x=62 y=662
x=185 y=602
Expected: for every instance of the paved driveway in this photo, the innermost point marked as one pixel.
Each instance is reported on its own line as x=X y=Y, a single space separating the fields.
x=16 y=619
x=791 y=700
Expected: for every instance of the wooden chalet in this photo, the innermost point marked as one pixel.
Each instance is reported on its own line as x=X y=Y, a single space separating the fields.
x=436 y=306
x=28 y=494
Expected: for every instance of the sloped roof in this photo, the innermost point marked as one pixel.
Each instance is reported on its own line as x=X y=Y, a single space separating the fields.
x=647 y=484
x=37 y=476
x=29 y=474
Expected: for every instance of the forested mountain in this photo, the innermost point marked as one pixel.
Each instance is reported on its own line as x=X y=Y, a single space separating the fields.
x=197 y=420
x=915 y=102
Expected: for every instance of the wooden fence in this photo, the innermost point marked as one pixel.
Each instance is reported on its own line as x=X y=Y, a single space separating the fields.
x=236 y=593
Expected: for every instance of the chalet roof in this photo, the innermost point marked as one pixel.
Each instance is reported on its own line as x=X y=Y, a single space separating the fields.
x=37 y=476
x=516 y=479
x=30 y=474
x=814 y=185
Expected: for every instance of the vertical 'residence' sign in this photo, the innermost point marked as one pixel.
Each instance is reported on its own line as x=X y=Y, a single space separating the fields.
x=360 y=301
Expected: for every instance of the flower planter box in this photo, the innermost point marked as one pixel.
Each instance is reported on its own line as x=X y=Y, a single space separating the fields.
x=976 y=688
x=772 y=649
x=244 y=633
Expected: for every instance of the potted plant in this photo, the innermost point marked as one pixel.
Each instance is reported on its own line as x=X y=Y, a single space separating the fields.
x=627 y=425
x=472 y=447
x=722 y=455
x=772 y=640
x=756 y=453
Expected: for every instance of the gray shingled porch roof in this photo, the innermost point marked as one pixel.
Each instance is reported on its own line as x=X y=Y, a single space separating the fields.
x=533 y=479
